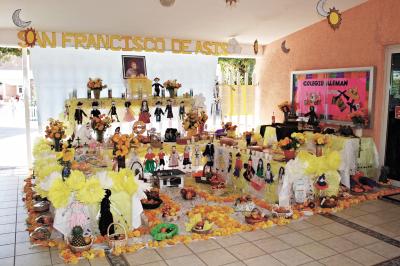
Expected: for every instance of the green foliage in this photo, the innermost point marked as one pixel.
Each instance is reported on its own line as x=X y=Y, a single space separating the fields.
x=232 y=66
x=6 y=53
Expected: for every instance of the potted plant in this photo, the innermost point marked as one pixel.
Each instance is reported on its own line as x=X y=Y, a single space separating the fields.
x=55 y=131
x=172 y=86
x=290 y=145
x=359 y=120
x=96 y=85
x=100 y=125
x=320 y=140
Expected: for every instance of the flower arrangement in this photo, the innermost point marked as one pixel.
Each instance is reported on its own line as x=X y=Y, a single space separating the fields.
x=192 y=120
x=55 y=129
x=96 y=84
x=320 y=139
x=172 y=84
x=292 y=143
x=230 y=130
x=299 y=137
x=359 y=118
x=122 y=144
x=102 y=122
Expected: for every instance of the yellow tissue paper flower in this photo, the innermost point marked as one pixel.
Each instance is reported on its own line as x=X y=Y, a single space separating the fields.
x=76 y=180
x=124 y=181
x=91 y=192
x=59 y=194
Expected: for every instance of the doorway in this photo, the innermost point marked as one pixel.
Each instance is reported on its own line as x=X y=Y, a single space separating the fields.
x=392 y=154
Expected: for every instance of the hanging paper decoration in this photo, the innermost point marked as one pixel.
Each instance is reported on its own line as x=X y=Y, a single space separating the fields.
x=29 y=36
x=334 y=16
x=284 y=48
x=18 y=21
x=255 y=47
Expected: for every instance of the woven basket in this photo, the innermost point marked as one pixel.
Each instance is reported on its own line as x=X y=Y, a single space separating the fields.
x=116 y=243
x=79 y=249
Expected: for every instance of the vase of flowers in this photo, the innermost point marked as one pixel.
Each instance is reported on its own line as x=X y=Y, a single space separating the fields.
x=320 y=140
x=290 y=145
x=100 y=125
x=359 y=120
x=122 y=144
x=172 y=87
x=55 y=131
x=96 y=85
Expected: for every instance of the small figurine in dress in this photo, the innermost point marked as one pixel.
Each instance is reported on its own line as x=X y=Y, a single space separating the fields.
x=168 y=109
x=79 y=113
x=313 y=118
x=269 y=177
x=196 y=155
x=129 y=115
x=158 y=112
x=230 y=162
x=248 y=135
x=157 y=86
x=238 y=165
x=249 y=170
x=113 y=111
x=150 y=163
x=182 y=110
x=221 y=161
x=95 y=110
x=186 y=158
x=161 y=160
x=209 y=153
x=260 y=168
x=173 y=158
x=144 y=115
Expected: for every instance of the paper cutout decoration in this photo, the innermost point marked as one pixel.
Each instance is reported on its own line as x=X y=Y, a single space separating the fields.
x=18 y=21
x=284 y=48
x=334 y=16
x=29 y=37
x=255 y=47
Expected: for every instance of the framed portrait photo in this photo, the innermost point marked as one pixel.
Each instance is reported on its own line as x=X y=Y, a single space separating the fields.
x=133 y=66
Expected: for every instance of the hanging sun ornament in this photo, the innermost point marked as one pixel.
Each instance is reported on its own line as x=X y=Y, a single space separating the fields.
x=30 y=37
x=334 y=16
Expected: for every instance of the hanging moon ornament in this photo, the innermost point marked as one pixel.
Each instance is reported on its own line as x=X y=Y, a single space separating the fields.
x=284 y=48
x=320 y=8
x=18 y=21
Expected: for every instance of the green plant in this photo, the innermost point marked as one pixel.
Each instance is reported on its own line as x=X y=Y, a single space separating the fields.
x=6 y=53
x=232 y=66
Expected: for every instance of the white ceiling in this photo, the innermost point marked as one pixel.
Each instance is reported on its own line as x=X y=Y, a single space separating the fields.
x=265 y=20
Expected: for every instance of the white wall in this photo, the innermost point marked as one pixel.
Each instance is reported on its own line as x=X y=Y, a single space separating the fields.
x=57 y=71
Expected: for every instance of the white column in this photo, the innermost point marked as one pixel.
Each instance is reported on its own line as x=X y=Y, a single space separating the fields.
x=27 y=96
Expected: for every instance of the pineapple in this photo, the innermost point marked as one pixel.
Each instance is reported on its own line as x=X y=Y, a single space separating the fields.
x=77 y=237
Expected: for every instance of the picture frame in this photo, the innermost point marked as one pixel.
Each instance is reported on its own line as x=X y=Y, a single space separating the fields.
x=133 y=66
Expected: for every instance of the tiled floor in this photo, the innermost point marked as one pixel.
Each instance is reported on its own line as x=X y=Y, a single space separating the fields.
x=315 y=241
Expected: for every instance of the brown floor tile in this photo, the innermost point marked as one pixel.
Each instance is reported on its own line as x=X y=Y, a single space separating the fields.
x=27 y=248
x=201 y=246
x=317 y=233
x=236 y=263
x=313 y=263
x=291 y=257
x=300 y=225
x=7 y=251
x=271 y=245
x=7 y=228
x=339 y=244
x=142 y=256
x=217 y=257
x=384 y=249
x=245 y=251
x=22 y=237
x=279 y=230
x=352 y=212
x=337 y=229
x=8 y=204
x=318 y=220
x=254 y=235
x=364 y=256
x=7 y=261
x=156 y=263
x=263 y=260
x=8 y=211
x=8 y=219
x=231 y=240
x=185 y=261
x=339 y=260
x=174 y=251
x=99 y=262
x=295 y=239
x=317 y=251
x=360 y=238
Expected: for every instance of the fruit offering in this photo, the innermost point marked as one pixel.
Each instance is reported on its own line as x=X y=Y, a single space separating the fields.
x=188 y=193
x=164 y=231
x=198 y=224
x=255 y=216
x=77 y=239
